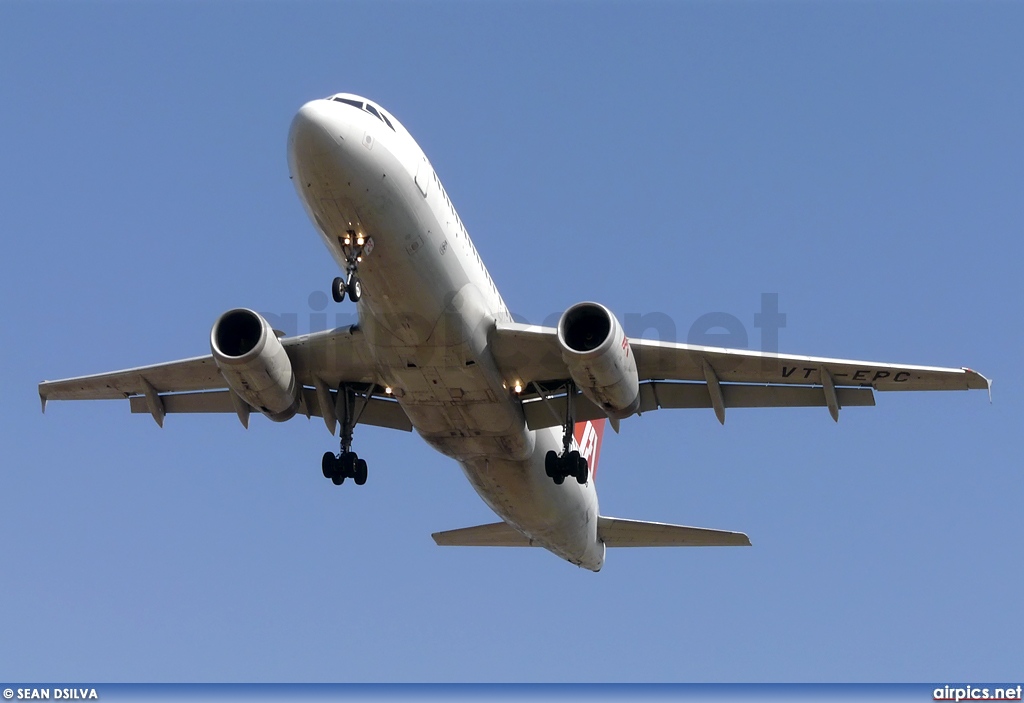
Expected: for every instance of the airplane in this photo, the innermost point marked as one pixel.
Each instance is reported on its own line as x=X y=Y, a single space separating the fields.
x=521 y=408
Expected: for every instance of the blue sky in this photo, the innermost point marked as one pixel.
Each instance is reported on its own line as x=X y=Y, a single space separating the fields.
x=863 y=161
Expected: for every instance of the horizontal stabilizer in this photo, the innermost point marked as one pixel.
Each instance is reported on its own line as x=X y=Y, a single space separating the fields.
x=613 y=531
x=616 y=532
x=496 y=534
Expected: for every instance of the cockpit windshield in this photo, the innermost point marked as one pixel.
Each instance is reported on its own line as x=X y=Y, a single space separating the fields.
x=379 y=114
x=348 y=101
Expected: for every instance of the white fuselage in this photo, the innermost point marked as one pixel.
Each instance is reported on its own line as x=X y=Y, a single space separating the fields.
x=427 y=309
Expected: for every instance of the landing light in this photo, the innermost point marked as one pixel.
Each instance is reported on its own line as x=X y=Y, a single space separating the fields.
x=347 y=241
x=359 y=241
x=518 y=388
x=388 y=390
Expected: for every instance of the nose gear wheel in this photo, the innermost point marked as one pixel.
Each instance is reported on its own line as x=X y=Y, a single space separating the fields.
x=354 y=247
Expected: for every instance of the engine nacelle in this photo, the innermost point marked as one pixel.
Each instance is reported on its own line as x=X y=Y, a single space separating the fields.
x=599 y=358
x=254 y=363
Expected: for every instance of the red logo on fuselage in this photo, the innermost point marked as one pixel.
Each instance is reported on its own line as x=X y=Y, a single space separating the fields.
x=587 y=438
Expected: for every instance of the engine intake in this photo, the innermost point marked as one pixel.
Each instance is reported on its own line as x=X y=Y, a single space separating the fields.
x=600 y=360
x=254 y=363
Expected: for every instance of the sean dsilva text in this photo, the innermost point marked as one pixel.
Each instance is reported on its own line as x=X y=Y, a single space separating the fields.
x=69 y=694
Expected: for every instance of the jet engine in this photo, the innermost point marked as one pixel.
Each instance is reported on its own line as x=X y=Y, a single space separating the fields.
x=254 y=363
x=599 y=358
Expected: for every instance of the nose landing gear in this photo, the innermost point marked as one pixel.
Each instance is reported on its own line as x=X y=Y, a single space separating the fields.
x=354 y=247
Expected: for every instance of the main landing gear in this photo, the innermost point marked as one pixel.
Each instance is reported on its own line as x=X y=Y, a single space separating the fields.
x=355 y=247
x=568 y=464
x=347 y=464
x=338 y=467
x=558 y=467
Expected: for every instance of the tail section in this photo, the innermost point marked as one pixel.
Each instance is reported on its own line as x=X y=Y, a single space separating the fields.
x=613 y=531
x=616 y=532
x=496 y=534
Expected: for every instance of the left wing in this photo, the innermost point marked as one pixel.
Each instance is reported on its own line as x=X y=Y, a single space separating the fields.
x=691 y=376
x=196 y=374
x=321 y=362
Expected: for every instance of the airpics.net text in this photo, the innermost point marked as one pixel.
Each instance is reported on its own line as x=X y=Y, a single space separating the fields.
x=712 y=329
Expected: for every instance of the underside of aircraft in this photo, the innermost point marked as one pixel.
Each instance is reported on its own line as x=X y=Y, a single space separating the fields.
x=522 y=408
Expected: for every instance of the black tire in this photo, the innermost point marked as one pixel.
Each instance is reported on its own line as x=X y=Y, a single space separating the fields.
x=360 y=472
x=572 y=462
x=348 y=464
x=581 y=470
x=355 y=289
x=338 y=289
x=559 y=479
x=551 y=464
x=329 y=464
x=338 y=479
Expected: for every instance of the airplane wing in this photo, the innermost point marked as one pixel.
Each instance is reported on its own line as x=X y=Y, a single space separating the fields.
x=676 y=375
x=196 y=374
x=321 y=362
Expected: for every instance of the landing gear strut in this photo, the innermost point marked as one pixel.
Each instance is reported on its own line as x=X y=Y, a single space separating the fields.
x=558 y=467
x=354 y=247
x=347 y=464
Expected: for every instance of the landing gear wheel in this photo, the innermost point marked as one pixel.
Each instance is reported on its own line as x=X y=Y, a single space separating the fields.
x=347 y=464
x=338 y=289
x=559 y=479
x=354 y=246
x=581 y=470
x=355 y=289
x=329 y=464
x=572 y=462
x=551 y=464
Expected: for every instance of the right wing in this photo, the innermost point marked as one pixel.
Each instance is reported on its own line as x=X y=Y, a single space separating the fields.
x=668 y=360
x=691 y=376
x=321 y=362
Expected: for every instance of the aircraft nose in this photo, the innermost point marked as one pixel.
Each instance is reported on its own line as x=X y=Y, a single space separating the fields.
x=312 y=130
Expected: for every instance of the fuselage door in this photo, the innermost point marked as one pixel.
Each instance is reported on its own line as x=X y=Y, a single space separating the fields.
x=423 y=173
